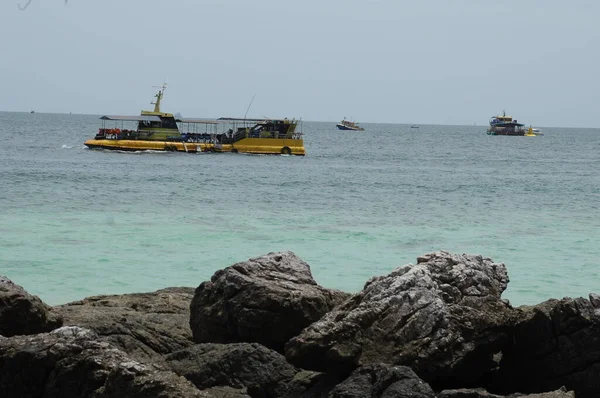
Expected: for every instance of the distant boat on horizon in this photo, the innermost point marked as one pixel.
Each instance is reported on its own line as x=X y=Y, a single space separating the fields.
x=506 y=125
x=532 y=132
x=414 y=126
x=32 y=112
x=348 y=125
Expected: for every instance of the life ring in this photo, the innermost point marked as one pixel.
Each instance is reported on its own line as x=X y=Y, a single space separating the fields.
x=286 y=150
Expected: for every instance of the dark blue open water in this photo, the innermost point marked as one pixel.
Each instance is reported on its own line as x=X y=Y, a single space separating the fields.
x=76 y=222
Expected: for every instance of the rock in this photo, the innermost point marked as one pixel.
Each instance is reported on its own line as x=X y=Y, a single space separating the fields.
x=379 y=380
x=267 y=300
x=22 y=313
x=443 y=317
x=481 y=393
x=555 y=343
x=262 y=371
x=145 y=325
x=226 y=392
x=134 y=381
x=71 y=362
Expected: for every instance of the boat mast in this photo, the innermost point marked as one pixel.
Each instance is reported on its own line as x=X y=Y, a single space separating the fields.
x=249 y=105
x=159 y=97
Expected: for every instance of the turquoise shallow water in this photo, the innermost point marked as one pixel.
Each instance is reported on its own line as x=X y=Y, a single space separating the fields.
x=76 y=222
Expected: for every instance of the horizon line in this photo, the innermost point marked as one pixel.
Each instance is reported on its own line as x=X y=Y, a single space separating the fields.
x=321 y=121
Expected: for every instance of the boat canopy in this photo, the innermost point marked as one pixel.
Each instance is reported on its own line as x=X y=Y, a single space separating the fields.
x=200 y=121
x=154 y=118
x=240 y=119
x=140 y=118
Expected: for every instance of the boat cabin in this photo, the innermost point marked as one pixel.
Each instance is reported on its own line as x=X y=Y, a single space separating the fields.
x=503 y=120
x=262 y=128
x=147 y=127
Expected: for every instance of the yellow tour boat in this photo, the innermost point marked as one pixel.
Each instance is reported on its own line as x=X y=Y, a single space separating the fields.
x=160 y=131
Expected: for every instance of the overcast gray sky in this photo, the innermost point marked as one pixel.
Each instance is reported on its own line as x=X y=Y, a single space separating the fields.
x=388 y=61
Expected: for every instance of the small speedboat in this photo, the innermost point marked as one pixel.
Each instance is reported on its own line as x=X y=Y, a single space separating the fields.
x=537 y=131
x=531 y=132
x=348 y=125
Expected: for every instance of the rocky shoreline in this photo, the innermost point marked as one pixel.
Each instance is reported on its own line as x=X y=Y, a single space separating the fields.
x=265 y=328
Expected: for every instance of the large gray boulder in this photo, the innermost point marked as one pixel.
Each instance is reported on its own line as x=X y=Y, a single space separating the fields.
x=443 y=317
x=555 y=343
x=22 y=313
x=267 y=300
x=70 y=362
x=145 y=325
x=261 y=371
x=382 y=381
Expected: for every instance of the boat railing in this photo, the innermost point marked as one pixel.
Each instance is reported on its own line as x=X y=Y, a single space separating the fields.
x=115 y=134
x=250 y=133
x=240 y=134
x=197 y=137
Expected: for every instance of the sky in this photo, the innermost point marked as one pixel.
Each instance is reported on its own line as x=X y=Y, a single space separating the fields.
x=380 y=61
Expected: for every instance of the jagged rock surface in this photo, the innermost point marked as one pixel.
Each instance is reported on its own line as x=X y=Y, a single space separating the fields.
x=145 y=325
x=379 y=381
x=556 y=343
x=442 y=317
x=267 y=300
x=22 y=313
x=71 y=363
x=480 y=393
x=226 y=392
x=262 y=371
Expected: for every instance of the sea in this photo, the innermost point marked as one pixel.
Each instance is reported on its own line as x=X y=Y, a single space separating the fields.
x=76 y=222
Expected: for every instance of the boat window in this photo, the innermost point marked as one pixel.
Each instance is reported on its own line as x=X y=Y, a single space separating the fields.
x=165 y=123
x=169 y=123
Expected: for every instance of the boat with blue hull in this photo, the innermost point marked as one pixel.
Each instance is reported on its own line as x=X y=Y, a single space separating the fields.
x=348 y=125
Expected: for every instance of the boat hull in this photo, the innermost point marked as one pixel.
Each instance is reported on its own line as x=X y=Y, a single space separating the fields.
x=509 y=133
x=247 y=145
x=512 y=129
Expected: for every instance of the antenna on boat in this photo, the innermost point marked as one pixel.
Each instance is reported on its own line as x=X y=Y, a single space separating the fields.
x=249 y=105
x=159 y=96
